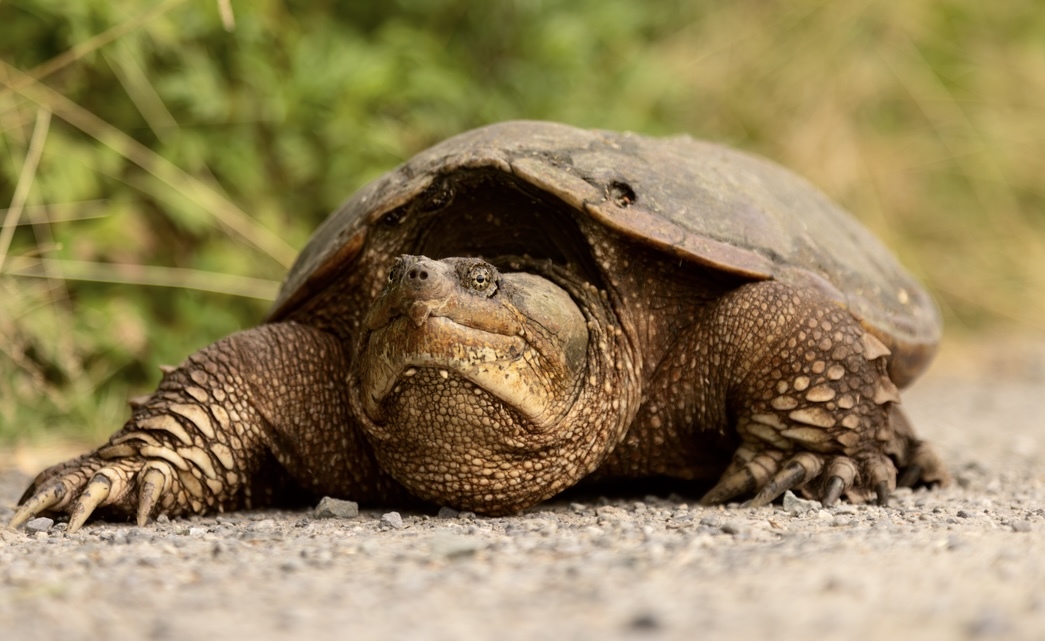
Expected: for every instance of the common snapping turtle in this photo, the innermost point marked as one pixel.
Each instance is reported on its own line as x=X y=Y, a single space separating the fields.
x=528 y=305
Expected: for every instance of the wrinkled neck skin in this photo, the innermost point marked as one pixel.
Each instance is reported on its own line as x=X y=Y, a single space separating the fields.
x=492 y=401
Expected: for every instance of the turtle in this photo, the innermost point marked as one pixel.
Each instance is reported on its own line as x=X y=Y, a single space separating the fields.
x=528 y=307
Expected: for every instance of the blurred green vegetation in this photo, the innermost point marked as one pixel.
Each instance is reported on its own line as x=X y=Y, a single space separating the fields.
x=160 y=165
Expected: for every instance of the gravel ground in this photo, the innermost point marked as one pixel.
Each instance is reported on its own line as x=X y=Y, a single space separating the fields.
x=967 y=562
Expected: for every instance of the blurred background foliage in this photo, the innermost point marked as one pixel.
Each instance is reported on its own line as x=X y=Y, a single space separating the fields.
x=161 y=162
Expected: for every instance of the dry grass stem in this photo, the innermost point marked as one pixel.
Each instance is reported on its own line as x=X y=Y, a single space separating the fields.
x=136 y=83
x=228 y=18
x=25 y=181
x=59 y=212
x=145 y=275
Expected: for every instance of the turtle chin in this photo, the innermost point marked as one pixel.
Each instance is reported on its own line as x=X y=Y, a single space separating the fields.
x=450 y=441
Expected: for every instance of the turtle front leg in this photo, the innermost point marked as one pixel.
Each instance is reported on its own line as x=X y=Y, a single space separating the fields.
x=812 y=401
x=227 y=429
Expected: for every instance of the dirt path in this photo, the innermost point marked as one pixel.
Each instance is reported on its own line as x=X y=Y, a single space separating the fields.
x=964 y=563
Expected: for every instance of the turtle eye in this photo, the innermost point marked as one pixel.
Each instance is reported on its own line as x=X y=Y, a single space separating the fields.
x=395 y=274
x=393 y=218
x=481 y=279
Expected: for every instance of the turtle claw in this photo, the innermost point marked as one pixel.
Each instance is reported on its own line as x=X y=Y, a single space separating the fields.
x=882 y=492
x=95 y=494
x=833 y=491
x=38 y=503
x=750 y=470
x=841 y=473
x=151 y=487
x=730 y=485
x=797 y=472
x=785 y=480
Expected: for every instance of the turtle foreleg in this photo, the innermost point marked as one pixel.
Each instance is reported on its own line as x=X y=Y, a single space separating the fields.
x=221 y=432
x=813 y=404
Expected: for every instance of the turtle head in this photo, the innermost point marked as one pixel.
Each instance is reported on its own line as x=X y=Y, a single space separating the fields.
x=471 y=382
x=517 y=336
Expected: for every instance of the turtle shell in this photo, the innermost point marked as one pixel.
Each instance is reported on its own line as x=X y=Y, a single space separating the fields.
x=693 y=200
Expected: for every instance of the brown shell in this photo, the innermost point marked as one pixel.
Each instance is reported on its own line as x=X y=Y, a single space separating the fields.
x=693 y=200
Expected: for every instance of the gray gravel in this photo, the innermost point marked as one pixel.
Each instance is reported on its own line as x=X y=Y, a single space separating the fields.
x=964 y=563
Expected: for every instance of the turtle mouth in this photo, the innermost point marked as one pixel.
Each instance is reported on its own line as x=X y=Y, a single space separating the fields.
x=499 y=363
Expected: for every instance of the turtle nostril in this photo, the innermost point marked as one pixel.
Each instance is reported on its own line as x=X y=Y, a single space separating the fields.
x=424 y=275
x=412 y=274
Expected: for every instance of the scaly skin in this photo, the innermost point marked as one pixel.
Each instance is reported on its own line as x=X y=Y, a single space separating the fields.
x=816 y=405
x=785 y=377
x=793 y=386
x=239 y=424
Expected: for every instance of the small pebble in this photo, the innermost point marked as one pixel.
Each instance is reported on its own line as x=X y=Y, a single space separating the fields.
x=448 y=513
x=291 y=565
x=645 y=622
x=734 y=528
x=711 y=520
x=265 y=525
x=10 y=536
x=795 y=505
x=41 y=524
x=610 y=514
x=394 y=519
x=679 y=521
x=331 y=508
x=1021 y=526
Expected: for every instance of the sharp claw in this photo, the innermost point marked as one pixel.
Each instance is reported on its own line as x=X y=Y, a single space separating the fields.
x=152 y=486
x=789 y=477
x=833 y=491
x=910 y=476
x=882 y=490
x=36 y=504
x=93 y=495
x=734 y=484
